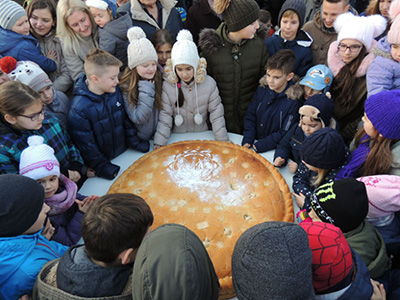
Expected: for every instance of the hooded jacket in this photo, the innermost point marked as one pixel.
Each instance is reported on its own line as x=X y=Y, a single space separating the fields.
x=171 y=19
x=21 y=259
x=269 y=117
x=100 y=128
x=59 y=107
x=24 y=47
x=172 y=263
x=236 y=68
x=370 y=246
x=113 y=37
x=206 y=100
x=46 y=284
x=300 y=46
x=348 y=116
x=384 y=72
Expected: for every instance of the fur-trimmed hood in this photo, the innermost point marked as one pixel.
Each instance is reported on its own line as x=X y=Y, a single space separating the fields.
x=212 y=39
x=335 y=62
x=383 y=48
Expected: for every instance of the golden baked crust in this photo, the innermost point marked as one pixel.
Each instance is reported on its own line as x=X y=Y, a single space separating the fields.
x=216 y=189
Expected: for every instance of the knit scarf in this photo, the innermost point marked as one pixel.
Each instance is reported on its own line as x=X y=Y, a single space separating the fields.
x=61 y=202
x=358 y=157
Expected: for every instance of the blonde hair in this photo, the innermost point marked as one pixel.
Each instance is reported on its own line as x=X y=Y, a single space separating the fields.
x=318 y=179
x=71 y=39
x=290 y=13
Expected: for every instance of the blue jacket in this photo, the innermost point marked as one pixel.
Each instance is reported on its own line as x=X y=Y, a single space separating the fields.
x=361 y=287
x=21 y=258
x=100 y=128
x=268 y=118
x=289 y=146
x=24 y=47
x=384 y=72
x=300 y=46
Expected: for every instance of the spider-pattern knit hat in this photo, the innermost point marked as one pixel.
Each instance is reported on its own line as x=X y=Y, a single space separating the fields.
x=332 y=258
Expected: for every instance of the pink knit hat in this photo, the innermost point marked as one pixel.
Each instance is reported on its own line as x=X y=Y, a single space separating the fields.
x=394 y=32
x=383 y=194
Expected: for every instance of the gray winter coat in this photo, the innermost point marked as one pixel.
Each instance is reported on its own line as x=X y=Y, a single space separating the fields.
x=113 y=37
x=208 y=102
x=145 y=114
x=61 y=78
x=59 y=107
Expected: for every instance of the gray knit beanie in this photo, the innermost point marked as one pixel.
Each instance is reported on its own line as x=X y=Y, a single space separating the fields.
x=298 y=6
x=237 y=14
x=21 y=201
x=10 y=12
x=272 y=260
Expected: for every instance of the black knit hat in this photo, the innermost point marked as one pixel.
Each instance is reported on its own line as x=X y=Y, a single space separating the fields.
x=237 y=14
x=21 y=201
x=324 y=149
x=343 y=203
x=272 y=260
x=298 y=6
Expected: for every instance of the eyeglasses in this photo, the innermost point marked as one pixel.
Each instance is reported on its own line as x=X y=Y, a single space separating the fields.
x=352 y=48
x=35 y=117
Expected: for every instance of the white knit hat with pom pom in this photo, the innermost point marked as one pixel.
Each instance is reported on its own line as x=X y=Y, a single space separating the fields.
x=363 y=29
x=37 y=160
x=394 y=32
x=184 y=51
x=140 y=49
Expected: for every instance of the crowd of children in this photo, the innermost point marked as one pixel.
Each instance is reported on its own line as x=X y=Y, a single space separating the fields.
x=83 y=81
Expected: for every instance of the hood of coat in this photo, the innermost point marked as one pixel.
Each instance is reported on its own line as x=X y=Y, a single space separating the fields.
x=173 y=251
x=383 y=48
x=335 y=62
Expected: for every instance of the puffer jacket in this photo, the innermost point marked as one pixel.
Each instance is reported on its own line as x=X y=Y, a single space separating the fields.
x=236 y=69
x=269 y=117
x=24 y=47
x=370 y=246
x=21 y=259
x=300 y=46
x=171 y=18
x=384 y=72
x=61 y=78
x=59 y=107
x=348 y=116
x=208 y=102
x=113 y=37
x=101 y=129
x=322 y=38
x=145 y=114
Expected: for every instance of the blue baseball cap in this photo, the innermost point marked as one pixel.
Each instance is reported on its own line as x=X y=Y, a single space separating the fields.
x=318 y=78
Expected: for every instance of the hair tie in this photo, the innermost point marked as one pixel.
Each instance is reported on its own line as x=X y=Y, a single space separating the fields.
x=179 y=85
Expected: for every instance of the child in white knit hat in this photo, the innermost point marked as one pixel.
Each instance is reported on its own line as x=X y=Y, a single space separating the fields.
x=190 y=96
x=112 y=27
x=67 y=206
x=349 y=59
x=15 y=38
x=30 y=74
x=141 y=84
x=384 y=72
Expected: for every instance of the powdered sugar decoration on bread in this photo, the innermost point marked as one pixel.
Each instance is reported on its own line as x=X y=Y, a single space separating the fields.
x=198 y=170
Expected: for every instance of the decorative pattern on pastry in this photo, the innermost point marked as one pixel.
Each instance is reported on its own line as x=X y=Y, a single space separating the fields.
x=216 y=189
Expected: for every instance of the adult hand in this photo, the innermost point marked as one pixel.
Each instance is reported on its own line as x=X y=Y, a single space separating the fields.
x=52 y=55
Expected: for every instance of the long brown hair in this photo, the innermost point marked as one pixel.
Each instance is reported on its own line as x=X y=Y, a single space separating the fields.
x=129 y=84
x=343 y=82
x=31 y=5
x=379 y=159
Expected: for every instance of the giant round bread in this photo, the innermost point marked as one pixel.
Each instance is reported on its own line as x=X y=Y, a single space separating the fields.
x=216 y=189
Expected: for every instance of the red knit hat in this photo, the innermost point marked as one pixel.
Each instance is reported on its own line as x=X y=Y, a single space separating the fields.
x=332 y=258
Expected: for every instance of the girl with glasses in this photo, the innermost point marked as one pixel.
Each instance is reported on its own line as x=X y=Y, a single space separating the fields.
x=23 y=115
x=349 y=58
